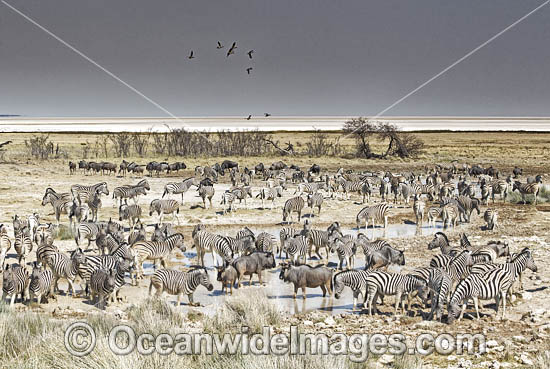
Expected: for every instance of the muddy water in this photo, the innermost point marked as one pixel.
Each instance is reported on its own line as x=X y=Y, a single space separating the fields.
x=282 y=293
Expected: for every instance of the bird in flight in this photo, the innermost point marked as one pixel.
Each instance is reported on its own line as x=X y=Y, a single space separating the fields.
x=249 y=116
x=191 y=56
x=232 y=49
x=220 y=46
x=248 y=70
x=250 y=53
x=267 y=114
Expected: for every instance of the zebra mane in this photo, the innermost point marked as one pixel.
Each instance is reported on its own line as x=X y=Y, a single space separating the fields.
x=443 y=235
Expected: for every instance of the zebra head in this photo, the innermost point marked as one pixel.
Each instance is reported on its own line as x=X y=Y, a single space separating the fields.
x=338 y=283
x=529 y=260
x=439 y=239
x=102 y=189
x=205 y=279
x=78 y=256
x=8 y=279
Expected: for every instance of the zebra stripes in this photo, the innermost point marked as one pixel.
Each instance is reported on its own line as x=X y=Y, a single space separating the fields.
x=284 y=234
x=130 y=191
x=418 y=209
x=206 y=192
x=40 y=284
x=296 y=248
x=65 y=267
x=130 y=212
x=345 y=249
x=293 y=205
x=528 y=189
x=60 y=202
x=205 y=242
x=180 y=187
x=15 y=281
x=102 y=284
x=315 y=201
x=491 y=218
x=356 y=280
x=382 y=283
x=377 y=212
x=163 y=207
x=228 y=198
x=270 y=193
x=158 y=250
x=82 y=193
x=23 y=246
x=179 y=283
x=5 y=244
x=265 y=242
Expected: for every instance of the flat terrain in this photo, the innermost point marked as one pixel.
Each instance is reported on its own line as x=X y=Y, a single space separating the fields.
x=23 y=181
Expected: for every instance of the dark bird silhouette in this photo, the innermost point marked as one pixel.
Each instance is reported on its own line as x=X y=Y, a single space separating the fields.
x=232 y=49
x=4 y=144
x=250 y=53
x=191 y=56
x=250 y=116
x=248 y=70
x=267 y=114
x=220 y=46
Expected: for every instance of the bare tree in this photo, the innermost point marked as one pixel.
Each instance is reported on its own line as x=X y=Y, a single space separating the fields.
x=362 y=130
x=121 y=143
x=321 y=145
x=140 y=141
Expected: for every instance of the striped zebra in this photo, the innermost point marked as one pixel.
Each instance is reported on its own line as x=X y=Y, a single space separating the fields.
x=315 y=201
x=385 y=188
x=450 y=214
x=40 y=285
x=434 y=213
x=309 y=188
x=270 y=193
x=15 y=281
x=93 y=263
x=137 y=234
x=296 y=248
x=94 y=204
x=240 y=245
x=165 y=207
x=205 y=242
x=82 y=193
x=180 y=283
x=401 y=285
x=528 y=189
x=490 y=216
x=459 y=267
x=377 y=212
x=34 y=222
x=180 y=187
x=294 y=204
x=23 y=247
x=284 y=234
x=241 y=193
x=349 y=187
x=228 y=198
x=418 y=209
x=89 y=231
x=345 y=250
x=491 y=285
x=44 y=251
x=317 y=238
x=491 y=251
x=122 y=267
x=486 y=191
x=499 y=186
x=60 y=204
x=402 y=190
x=265 y=242
x=5 y=244
x=206 y=192
x=365 y=192
x=516 y=265
x=439 y=285
x=106 y=242
x=131 y=191
x=102 y=285
x=446 y=190
x=130 y=212
x=469 y=204
x=65 y=267
x=356 y=280
x=158 y=250
x=20 y=225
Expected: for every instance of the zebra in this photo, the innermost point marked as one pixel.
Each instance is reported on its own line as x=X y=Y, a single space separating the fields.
x=79 y=212
x=441 y=241
x=528 y=189
x=356 y=280
x=130 y=212
x=315 y=200
x=403 y=190
x=439 y=284
x=491 y=218
x=15 y=282
x=486 y=191
x=108 y=241
x=40 y=285
x=385 y=188
x=270 y=193
x=418 y=209
x=318 y=238
x=446 y=190
x=94 y=204
x=493 y=284
x=137 y=234
x=377 y=212
x=34 y=222
x=228 y=198
x=309 y=188
x=294 y=204
x=365 y=191
x=122 y=267
x=180 y=187
x=65 y=267
x=241 y=193
x=369 y=246
x=89 y=231
x=149 y=250
x=162 y=207
x=240 y=245
x=5 y=244
x=82 y=193
x=20 y=225
x=469 y=204
x=284 y=234
x=205 y=242
x=130 y=192
x=102 y=285
x=265 y=242
x=434 y=213
x=61 y=205
x=491 y=252
x=23 y=246
x=180 y=283
x=345 y=251
x=206 y=192
x=499 y=186
x=450 y=215
x=383 y=283
x=297 y=247
x=44 y=251
x=458 y=267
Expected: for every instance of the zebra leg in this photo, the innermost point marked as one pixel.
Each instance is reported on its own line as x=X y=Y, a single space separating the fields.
x=476 y=305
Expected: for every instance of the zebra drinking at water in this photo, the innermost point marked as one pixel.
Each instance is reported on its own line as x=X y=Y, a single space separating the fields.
x=294 y=204
x=377 y=212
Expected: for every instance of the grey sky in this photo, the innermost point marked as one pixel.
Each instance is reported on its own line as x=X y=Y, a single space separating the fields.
x=311 y=57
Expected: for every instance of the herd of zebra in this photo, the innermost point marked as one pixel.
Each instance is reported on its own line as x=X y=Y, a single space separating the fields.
x=452 y=278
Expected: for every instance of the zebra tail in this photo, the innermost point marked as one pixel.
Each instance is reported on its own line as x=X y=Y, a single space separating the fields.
x=164 y=193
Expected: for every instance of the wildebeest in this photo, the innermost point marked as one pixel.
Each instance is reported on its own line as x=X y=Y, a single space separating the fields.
x=72 y=167
x=384 y=257
x=303 y=276
x=517 y=172
x=228 y=164
x=278 y=165
x=227 y=275
x=259 y=168
x=252 y=264
x=315 y=169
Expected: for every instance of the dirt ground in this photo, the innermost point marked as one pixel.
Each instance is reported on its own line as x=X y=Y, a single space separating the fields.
x=526 y=330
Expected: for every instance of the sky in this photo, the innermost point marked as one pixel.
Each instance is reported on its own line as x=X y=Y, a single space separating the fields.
x=322 y=57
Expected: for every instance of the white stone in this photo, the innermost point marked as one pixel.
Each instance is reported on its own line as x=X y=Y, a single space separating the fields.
x=525 y=359
x=307 y=323
x=451 y=358
x=386 y=359
x=491 y=343
x=330 y=321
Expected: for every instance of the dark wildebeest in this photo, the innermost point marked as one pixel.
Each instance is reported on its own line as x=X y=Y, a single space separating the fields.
x=175 y=167
x=303 y=276
x=72 y=167
x=252 y=264
x=278 y=165
x=259 y=168
x=493 y=172
x=315 y=169
x=517 y=172
x=152 y=167
x=476 y=170
x=227 y=275
x=228 y=164
x=384 y=257
x=83 y=165
x=109 y=167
